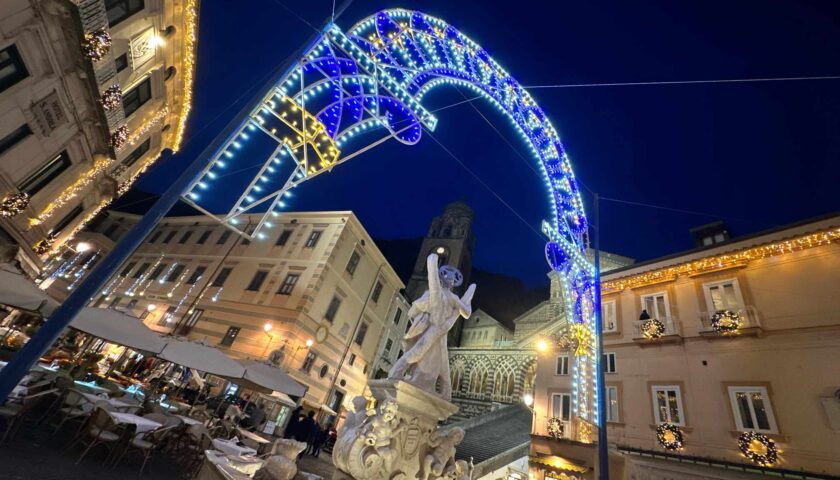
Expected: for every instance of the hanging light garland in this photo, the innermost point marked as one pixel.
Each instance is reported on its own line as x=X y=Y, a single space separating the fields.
x=726 y=322
x=72 y=191
x=119 y=138
x=758 y=448
x=81 y=271
x=14 y=204
x=670 y=437
x=96 y=44
x=112 y=97
x=652 y=329
x=188 y=62
x=79 y=226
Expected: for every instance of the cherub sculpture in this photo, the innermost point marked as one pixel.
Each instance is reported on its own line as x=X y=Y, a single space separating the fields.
x=426 y=360
x=440 y=461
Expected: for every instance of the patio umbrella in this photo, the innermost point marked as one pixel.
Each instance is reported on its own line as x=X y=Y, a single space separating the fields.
x=200 y=357
x=18 y=291
x=259 y=375
x=117 y=327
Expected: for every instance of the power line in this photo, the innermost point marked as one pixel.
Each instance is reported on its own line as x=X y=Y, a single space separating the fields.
x=680 y=210
x=683 y=82
x=300 y=17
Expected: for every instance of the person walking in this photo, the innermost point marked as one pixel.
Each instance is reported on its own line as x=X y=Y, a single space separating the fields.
x=305 y=429
x=294 y=423
x=320 y=439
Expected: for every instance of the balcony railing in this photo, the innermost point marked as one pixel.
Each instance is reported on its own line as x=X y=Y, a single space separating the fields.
x=748 y=316
x=671 y=329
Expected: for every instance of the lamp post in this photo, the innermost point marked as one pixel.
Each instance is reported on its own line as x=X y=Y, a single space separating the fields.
x=267 y=328
x=308 y=344
x=528 y=400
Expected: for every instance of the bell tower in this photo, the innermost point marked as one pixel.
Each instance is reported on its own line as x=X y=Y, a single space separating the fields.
x=450 y=236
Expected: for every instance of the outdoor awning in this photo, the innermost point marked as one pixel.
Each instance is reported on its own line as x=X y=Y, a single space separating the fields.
x=119 y=328
x=268 y=377
x=19 y=291
x=282 y=398
x=201 y=357
x=321 y=408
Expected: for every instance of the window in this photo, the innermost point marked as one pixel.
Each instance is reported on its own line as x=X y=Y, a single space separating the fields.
x=352 y=359
x=131 y=305
x=257 y=281
x=197 y=274
x=751 y=406
x=609 y=362
x=313 y=239
x=397 y=316
x=388 y=345
x=12 y=69
x=169 y=236
x=221 y=277
x=121 y=62
x=190 y=321
x=230 y=336
x=140 y=271
x=137 y=153
x=15 y=137
x=115 y=302
x=561 y=367
x=137 y=96
x=203 y=238
x=612 y=403
x=308 y=361
x=155 y=236
x=561 y=406
x=377 y=291
x=667 y=405
x=332 y=309
x=127 y=269
x=323 y=372
x=157 y=271
x=283 y=238
x=656 y=305
x=353 y=262
x=166 y=318
x=361 y=334
x=175 y=273
x=288 y=284
x=48 y=172
x=67 y=219
x=223 y=237
x=119 y=10
x=186 y=236
x=608 y=320
x=723 y=296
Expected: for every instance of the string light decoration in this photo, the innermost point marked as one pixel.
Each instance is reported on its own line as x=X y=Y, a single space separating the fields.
x=79 y=226
x=582 y=337
x=188 y=68
x=147 y=126
x=726 y=322
x=758 y=448
x=652 y=329
x=670 y=437
x=729 y=260
x=112 y=97
x=555 y=428
x=118 y=138
x=14 y=204
x=43 y=246
x=73 y=190
x=96 y=44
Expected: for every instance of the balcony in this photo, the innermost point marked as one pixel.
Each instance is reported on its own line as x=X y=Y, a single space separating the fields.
x=558 y=429
x=645 y=332
x=749 y=323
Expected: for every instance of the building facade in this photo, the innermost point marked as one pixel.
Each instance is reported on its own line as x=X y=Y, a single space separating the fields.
x=91 y=93
x=700 y=348
x=317 y=298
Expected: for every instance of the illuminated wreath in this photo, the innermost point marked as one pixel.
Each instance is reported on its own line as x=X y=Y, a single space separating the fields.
x=13 y=205
x=96 y=44
x=112 y=98
x=758 y=448
x=652 y=328
x=119 y=138
x=669 y=436
x=555 y=428
x=726 y=321
x=44 y=245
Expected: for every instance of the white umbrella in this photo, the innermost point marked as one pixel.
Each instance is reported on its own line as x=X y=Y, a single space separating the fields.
x=200 y=357
x=270 y=377
x=18 y=291
x=117 y=327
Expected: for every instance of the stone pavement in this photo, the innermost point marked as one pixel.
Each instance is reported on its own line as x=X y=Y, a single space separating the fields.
x=321 y=466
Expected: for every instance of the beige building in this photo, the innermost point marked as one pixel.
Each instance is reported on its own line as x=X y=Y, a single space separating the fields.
x=482 y=330
x=91 y=93
x=772 y=366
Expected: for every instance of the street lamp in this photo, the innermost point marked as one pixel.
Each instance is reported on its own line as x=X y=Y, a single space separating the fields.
x=308 y=344
x=267 y=328
x=528 y=399
x=542 y=345
x=82 y=247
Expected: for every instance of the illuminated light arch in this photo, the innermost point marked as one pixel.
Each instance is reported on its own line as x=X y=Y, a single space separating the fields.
x=349 y=88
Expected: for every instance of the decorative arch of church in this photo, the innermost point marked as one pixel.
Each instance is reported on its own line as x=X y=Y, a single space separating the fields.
x=485 y=379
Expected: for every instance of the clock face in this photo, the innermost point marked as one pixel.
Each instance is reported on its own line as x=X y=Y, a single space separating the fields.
x=321 y=334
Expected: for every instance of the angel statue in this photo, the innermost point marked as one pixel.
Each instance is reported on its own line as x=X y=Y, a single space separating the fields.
x=426 y=359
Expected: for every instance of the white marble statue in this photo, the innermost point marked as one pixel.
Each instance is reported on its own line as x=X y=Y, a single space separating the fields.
x=425 y=363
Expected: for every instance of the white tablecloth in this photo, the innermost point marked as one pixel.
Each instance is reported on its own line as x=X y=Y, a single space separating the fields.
x=189 y=421
x=231 y=448
x=143 y=424
x=100 y=398
x=251 y=436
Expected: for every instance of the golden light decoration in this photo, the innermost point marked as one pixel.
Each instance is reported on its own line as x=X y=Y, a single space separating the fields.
x=719 y=262
x=44 y=245
x=726 y=322
x=96 y=44
x=72 y=190
x=119 y=138
x=138 y=133
x=670 y=437
x=125 y=186
x=14 y=204
x=112 y=97
x=584 y=431
x=652 y=329
x=54 y=247
x=758 y=448
x=188 y=63
x=583 y=339
x=555 y=428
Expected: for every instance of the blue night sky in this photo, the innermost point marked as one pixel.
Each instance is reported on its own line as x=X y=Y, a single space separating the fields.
x=757 y=155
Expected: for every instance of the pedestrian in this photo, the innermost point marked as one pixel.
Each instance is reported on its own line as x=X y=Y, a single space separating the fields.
x=644 y=316
x=320 y=439
x=293 y=424
x=305 y=430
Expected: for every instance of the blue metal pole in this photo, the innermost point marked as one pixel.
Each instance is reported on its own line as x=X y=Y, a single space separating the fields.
x=23 y=360
x=603 y=453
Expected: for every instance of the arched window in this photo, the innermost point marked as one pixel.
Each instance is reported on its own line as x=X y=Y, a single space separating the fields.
x=170 y=72
x=447 y=230
x=503 y=383
x=456 y=376
x=478 y=379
